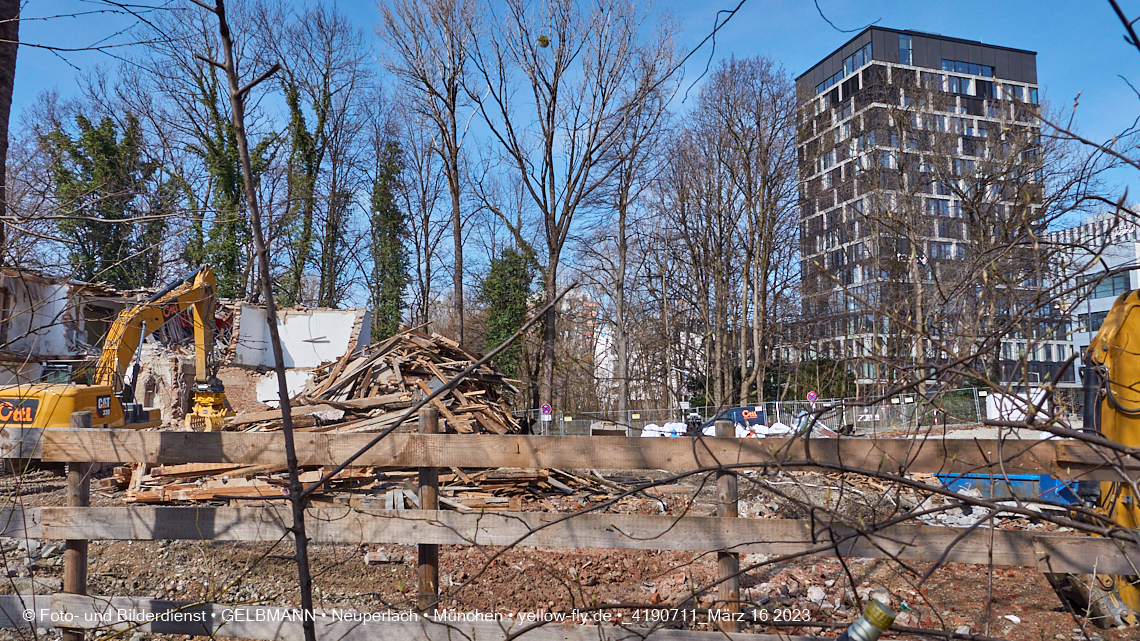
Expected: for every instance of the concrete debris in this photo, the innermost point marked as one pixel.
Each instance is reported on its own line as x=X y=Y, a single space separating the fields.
x=379 y=558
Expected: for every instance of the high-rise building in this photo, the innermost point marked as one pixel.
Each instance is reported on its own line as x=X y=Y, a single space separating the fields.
x=917 y=153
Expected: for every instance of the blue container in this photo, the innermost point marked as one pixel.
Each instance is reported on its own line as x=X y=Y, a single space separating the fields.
x=1060 y=491
x=1025 y=486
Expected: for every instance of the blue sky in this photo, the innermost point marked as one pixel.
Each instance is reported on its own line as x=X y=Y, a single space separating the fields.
x=1079 y=44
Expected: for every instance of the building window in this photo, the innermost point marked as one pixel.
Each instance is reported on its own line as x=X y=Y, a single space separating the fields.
x=957 y=66
x=1033 y=95
x=1011 y=92
x=905 y=50
x=1091 y=322
x=1110 y=287
x=850 y=64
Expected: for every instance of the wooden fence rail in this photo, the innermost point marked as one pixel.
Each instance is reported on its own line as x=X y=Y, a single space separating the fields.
x=1052 y=553
x=1062 y=459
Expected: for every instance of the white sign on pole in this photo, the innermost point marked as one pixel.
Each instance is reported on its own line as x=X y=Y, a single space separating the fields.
x=684 y=405
x=546 y=418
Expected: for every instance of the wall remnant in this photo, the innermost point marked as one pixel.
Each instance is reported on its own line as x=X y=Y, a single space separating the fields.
x=310 y=338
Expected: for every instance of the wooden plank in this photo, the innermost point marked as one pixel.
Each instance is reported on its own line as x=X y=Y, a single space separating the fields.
x=275 y=415
x=387 y=400
x=193 y=470
x=573 y=452
x=270 y=623
x=20 y=523
x=621 y=531
x=13 y=607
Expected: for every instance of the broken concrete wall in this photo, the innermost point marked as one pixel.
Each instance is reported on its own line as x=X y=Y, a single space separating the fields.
x=165 y=382
x=310 y=338
x=38 y=317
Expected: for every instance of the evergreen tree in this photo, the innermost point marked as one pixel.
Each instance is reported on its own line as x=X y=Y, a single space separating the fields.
x=304 y=162
x=224 y=245
x=505 y=291
x=389 y=252
x=100 y=179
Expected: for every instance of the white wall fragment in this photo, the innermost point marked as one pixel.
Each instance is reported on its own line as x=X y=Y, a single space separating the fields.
x=295 y=381
x=309 y=338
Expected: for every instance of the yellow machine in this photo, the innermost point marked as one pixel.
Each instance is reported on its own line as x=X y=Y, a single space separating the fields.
x=111 y=399
x=1112 y=408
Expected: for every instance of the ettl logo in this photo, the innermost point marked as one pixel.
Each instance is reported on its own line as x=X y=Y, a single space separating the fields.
x=15 y=410
x=103 y=406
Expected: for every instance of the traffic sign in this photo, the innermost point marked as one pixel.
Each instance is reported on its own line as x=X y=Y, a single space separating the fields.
x=812 y=396
x=546 y=409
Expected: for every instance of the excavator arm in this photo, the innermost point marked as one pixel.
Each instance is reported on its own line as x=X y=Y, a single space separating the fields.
x=1112 y=408
x=195 y=291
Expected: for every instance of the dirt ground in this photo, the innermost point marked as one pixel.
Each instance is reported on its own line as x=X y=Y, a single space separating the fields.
x=557 y=580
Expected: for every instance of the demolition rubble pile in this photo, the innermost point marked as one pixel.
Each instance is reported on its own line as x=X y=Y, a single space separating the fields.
x=370 y=391
x=359 y=487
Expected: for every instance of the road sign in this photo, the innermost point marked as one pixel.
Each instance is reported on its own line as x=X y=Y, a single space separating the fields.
x=546 y=409
x=812 y=396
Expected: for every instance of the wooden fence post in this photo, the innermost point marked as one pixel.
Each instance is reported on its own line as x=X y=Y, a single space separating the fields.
x=75 y=550
x=428 y=570
x=728 y=564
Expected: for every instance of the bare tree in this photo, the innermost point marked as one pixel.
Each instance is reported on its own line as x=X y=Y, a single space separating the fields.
x=431 y=42
x=422 y=189
x=575 y=68
x=237 y=94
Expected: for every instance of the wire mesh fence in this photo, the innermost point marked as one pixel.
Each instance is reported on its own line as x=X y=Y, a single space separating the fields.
x=965 y=406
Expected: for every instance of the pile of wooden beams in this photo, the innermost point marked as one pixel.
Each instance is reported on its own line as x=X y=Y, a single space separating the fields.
x=368 y=391
x=505 y=488
x=357 y=487
x=219 y=481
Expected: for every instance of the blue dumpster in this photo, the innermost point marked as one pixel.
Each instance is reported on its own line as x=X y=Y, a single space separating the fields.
x=1025 y=486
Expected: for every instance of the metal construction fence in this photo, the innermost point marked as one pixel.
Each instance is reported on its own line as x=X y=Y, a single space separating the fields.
x=964 y=406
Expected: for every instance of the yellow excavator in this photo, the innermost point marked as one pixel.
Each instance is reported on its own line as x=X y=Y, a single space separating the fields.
x=111 y=398
x=1112 y=409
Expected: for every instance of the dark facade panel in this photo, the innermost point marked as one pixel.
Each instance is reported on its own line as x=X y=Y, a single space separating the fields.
x=928 y=50
x=884 y=46
x=1013 y=68
x=1001 y=64
x=925 y=50
x=1028 y=68
x=973 y=54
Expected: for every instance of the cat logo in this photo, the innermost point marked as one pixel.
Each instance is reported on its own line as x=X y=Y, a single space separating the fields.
x=22 y=411
x=750 y=414
x=103 y=406
x=169 y=311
